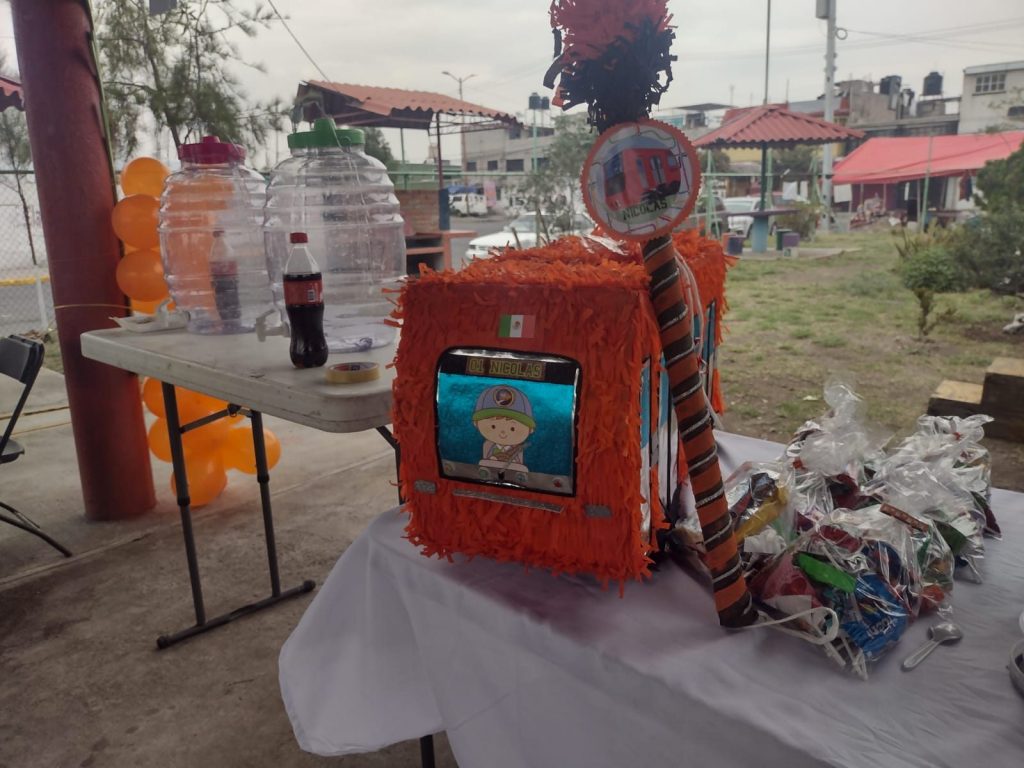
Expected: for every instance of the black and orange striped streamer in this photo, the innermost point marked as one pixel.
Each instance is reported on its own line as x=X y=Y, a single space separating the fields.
x=682 y=361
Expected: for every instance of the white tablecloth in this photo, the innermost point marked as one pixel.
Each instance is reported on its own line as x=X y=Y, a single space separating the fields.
x=525 y=670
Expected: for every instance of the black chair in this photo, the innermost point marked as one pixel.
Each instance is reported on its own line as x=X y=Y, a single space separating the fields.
x=21 y=359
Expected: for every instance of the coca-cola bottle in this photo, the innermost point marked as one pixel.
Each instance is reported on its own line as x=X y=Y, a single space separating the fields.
x=224 y=279
x=304 y=301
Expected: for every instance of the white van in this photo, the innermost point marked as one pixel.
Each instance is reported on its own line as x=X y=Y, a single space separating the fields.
x=468 y=204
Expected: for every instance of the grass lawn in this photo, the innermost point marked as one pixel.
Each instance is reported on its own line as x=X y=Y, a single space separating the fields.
x=794 y=323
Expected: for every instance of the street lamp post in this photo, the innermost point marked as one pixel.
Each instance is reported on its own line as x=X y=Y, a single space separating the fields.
x=462 y=132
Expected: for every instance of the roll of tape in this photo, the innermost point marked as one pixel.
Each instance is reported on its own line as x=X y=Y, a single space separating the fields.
x=352 y=373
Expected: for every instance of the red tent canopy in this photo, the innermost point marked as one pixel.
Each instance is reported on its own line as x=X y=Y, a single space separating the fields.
x=886 y=160
x=773 y=125
x=395 y=107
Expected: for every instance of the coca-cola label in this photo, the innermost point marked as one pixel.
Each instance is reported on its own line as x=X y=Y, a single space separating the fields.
x=304 y=292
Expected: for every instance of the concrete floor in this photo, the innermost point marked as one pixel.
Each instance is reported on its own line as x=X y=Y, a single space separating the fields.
x=81 y=681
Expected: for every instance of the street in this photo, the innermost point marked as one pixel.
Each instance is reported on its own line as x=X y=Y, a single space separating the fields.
x=482 y=225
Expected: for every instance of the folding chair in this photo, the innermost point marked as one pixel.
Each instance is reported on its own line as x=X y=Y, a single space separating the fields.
x=21 y=359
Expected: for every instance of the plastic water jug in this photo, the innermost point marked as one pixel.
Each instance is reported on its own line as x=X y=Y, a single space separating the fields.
x=344 y=201
x=211 y=238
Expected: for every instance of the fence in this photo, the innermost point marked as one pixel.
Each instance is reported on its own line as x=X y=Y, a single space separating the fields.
x=26 y=303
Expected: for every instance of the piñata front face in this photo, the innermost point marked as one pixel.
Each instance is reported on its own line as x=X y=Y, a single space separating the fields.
x=529 y=408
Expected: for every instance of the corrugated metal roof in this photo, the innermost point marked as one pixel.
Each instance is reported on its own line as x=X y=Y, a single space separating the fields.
x=774 y=125
x=10 y=93
x=397 y=107
x=888 y=159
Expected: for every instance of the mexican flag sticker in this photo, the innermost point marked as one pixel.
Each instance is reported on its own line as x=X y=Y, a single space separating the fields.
x=516 y=326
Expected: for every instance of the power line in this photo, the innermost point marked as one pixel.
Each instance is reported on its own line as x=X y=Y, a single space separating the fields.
x=941 y=36
x=297 y=41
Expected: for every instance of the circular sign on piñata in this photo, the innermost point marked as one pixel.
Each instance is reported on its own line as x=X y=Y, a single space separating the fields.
x=641 y=179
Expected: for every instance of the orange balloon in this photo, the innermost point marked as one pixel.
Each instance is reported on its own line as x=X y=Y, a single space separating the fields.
x=140 y=275
x=238 y=451
x=206 y=478
x=149 y=307
x=153 y=396
x=135 y=221
x=191 y=405
x=206 y=439
x=144 y=176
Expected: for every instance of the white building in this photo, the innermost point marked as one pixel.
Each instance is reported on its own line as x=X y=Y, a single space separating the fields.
x=993 y=97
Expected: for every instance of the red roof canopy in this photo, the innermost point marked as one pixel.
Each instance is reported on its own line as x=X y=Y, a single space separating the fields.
x=886 y=160
x=10 y=94
x=773 y=125
x=392 y=107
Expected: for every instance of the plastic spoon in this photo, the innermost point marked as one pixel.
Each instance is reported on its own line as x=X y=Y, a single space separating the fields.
x=940 y=634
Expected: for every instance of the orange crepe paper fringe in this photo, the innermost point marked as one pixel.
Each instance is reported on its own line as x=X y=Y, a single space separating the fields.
x=591 y=306
x=591 y=27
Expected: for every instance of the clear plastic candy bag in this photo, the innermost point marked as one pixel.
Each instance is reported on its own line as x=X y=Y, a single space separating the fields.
x=862 y=564
x=914 y=487
x=951 y=447
x=841 y=443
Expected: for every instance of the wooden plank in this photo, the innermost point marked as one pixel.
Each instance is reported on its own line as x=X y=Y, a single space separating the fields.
x=1004 y=386
x=955 y=398
x=960 y=398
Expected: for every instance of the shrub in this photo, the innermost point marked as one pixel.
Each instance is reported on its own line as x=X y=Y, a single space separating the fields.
x=803 y=220
x=925 y=270
x=989 y=249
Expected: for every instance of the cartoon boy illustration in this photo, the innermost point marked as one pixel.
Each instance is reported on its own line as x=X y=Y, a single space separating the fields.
x=504 y=417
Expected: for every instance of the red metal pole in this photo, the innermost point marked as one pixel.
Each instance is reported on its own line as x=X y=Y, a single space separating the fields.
x=62 y=104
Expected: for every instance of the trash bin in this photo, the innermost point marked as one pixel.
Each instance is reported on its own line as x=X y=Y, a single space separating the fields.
x=734 y=245
x=791 y=239
x=780 y=238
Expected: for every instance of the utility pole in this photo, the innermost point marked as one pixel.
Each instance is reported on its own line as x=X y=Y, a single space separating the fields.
x=764 y=148
x=462 y=132
x=826 y=9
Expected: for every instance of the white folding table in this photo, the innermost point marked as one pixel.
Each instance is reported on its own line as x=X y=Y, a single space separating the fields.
x=525 y=670
x=255 y=378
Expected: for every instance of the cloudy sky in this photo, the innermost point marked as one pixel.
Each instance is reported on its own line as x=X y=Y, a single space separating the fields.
x=507 y=45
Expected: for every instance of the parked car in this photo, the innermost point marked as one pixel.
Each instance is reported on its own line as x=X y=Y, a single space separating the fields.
x=741 y=225
x=698 y=217
x=468 y=204
x=529 y=231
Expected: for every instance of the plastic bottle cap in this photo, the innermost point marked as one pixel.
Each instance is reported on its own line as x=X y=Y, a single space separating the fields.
x=325 y=134
x=298 y=237
x=211 y=151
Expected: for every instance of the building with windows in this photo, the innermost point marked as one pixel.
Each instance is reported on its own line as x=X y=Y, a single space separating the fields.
x=993 y=97
x=509 y=150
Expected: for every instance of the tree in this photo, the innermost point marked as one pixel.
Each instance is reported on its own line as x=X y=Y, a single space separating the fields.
x=174 y=67
x=553 y=187
x=377 y=146
x=720 y=162
x=794 y=163
x=1002 y=183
